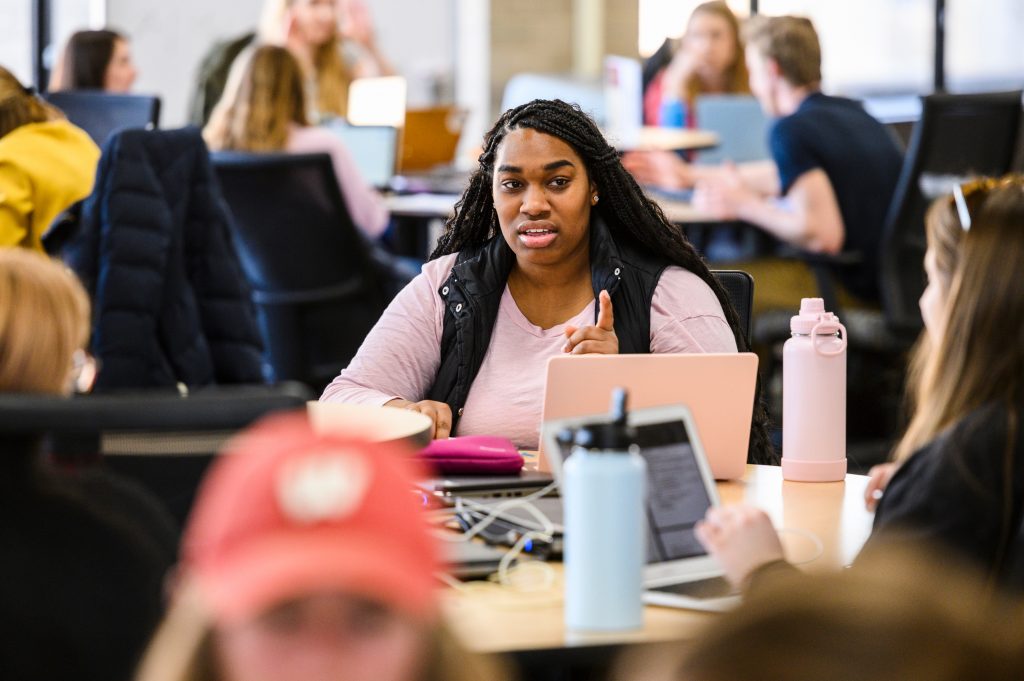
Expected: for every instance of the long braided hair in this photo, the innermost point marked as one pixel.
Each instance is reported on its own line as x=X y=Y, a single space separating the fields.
x=628 y=213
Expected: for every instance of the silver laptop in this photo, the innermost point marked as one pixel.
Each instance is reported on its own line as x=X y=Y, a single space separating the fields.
x=680 y=490
x=374 y=149
x=741 y=126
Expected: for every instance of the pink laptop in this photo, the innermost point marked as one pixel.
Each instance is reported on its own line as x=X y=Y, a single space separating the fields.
x=717 y=388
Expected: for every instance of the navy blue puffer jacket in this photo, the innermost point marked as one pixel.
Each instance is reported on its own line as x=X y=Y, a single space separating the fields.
x=170 y=302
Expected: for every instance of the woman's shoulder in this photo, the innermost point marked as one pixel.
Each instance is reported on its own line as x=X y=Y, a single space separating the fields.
x=984 y=428
x=32 y=136
x=436 y=271
x=680 y=286
x=976 y=443
x=312 y=138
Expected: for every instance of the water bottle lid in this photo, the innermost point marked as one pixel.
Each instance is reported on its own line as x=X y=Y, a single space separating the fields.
x=812 y=311
x=615 y=436
x=604 y=436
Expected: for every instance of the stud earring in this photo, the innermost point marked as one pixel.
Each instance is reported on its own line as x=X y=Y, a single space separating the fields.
x=596 y=198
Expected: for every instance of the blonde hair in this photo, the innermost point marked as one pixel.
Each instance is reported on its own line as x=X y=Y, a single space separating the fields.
x=44 y=319
x=20 y=106
x=737 y=77
x=183 y=648
x=792 y=43
x=980 y=356
x=885 y=619
x=331 y=75
x=263 y=97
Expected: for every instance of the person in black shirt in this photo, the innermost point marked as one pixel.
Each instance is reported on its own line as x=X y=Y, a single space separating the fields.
x=957 y=479
x=828 y=186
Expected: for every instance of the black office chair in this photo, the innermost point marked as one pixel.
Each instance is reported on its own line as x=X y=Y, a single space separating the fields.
x=958 y=136
x=101 y=113
x=317 y=290
x=161 y=440
x=739 y=286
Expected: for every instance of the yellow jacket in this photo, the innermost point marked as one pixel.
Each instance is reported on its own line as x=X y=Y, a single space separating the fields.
x=44 y=168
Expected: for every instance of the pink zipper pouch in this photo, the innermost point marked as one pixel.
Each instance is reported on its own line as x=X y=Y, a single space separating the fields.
x=473 y=455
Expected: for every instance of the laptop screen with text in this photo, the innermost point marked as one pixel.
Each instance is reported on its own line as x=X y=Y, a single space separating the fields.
x=677 y=490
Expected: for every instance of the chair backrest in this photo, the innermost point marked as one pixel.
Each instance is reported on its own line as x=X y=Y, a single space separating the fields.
x=159 y=439
x=314 y=283
x=739 y=286
x=102 y=113
x=957 y=136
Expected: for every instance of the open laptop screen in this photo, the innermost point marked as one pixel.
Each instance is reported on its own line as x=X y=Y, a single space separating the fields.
x=680 y=489
x=676 y=497
x=372 y=147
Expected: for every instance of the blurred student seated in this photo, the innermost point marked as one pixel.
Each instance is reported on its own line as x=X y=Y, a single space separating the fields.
x=708 y=59
x=46 y=164
x=308 y=558
x=264 y=109
x=957 y=479
x=905 y=615
x=828 y=190
x=95 y=60
x=84 y=553
x=333 y=41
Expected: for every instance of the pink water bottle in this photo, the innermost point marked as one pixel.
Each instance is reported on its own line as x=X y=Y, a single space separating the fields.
x=814 y=396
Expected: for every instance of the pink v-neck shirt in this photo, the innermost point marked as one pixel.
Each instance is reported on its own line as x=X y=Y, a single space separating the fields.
x=400 y=357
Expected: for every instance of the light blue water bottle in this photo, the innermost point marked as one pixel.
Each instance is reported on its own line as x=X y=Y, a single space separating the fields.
x=603 y=488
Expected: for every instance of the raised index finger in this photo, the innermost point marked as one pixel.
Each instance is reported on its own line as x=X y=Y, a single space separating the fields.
x=605 y=318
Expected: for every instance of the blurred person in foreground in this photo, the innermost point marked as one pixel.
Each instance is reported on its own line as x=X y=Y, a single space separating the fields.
x=901 y=615
x=308 y=557
x=84 y=553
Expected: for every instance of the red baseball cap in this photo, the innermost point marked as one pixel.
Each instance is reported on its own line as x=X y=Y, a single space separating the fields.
x=285 y=512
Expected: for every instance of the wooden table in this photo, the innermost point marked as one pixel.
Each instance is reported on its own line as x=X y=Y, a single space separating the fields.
x=674 y=139
x=494 y=618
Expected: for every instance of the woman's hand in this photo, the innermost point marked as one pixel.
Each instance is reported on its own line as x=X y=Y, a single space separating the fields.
x=679 y=71
x=439 y=412
x=721 y=194
x=356 y=24
x=878 y=479
x=741 y=538
x=594 y=340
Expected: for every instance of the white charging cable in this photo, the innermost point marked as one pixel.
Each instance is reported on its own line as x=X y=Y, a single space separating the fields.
x=505 y=571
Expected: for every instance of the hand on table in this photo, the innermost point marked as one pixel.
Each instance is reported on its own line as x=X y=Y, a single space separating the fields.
x=878 y=479
x=741 y=538
x=721 y=194
x=659 y=169
x=439 y=412
x=594 y=340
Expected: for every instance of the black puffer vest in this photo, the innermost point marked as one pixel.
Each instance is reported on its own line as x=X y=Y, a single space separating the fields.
x=473 y=291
